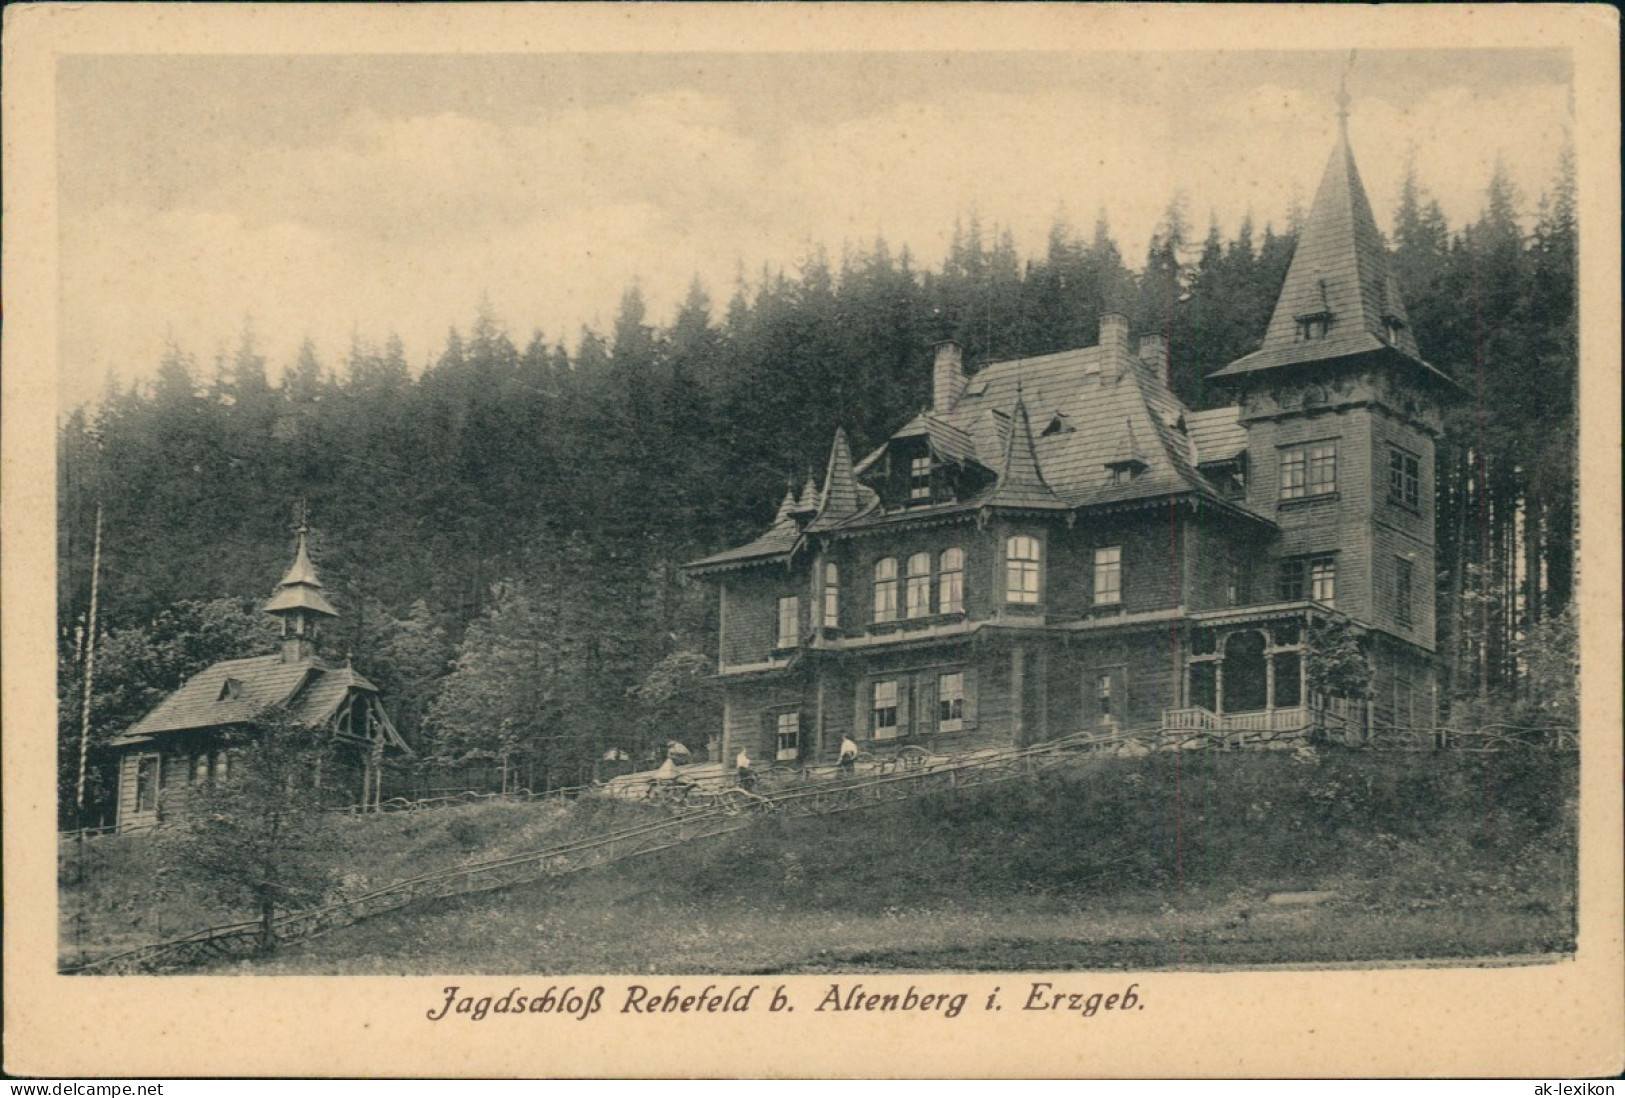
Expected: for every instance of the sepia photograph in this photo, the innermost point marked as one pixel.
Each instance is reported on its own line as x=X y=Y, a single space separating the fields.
x=713 y=515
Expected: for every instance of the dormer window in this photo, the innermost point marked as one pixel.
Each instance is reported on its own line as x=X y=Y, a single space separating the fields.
x=1059 y=424
x=1122 y=474
x=230 y=690
x=1313 y=326
x=919 y=480
x=1392 y=326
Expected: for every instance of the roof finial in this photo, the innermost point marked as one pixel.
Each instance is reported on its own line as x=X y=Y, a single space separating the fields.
x=1343 y=96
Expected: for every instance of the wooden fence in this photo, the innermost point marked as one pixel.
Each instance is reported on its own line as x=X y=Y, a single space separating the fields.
x=721 y=812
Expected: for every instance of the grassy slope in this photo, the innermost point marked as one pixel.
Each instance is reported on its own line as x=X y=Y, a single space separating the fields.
x=123 y=898
x=1112 y=863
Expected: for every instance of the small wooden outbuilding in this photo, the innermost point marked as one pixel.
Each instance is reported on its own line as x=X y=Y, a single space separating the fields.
x=183 y=742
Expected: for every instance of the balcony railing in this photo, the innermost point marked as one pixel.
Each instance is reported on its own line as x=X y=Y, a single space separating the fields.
x=1198 y=719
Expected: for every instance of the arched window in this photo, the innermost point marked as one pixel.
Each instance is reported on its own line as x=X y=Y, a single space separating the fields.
x=1021 y=564
x=832 y=597
x=918 y=593
x=951 y=582
x=886 y=589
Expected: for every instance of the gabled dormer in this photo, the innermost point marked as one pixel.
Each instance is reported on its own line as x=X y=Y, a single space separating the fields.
x=926 y=463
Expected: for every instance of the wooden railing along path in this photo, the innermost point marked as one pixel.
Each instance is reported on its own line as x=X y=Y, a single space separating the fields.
x=723 y=812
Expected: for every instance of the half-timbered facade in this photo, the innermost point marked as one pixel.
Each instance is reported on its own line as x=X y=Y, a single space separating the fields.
x=183 y=743
x=1058 y=544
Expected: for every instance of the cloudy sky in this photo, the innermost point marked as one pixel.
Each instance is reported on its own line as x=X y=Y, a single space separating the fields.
x=332 y=196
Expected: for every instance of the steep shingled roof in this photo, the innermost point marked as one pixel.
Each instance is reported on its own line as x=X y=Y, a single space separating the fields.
x=1109 y=398
x=312 y=689
x=1021 y=483
x=1217 y=434
x=843 y=497
x=1339 y=270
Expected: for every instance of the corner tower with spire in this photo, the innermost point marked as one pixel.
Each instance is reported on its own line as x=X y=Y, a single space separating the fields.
x=1342 y=413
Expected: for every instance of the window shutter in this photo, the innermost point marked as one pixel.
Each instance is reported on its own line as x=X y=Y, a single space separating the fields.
x=927 y=715
x=768 y=746
x=862 y=722
x=905 y=698
x=970 y=697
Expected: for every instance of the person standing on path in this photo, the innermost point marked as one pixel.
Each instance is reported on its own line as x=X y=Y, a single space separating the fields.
x=849 y=756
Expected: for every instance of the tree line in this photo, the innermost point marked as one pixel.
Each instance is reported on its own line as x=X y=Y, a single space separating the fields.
x=503 y=528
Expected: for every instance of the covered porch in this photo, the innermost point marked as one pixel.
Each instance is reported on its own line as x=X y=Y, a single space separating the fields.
x=1246 y=677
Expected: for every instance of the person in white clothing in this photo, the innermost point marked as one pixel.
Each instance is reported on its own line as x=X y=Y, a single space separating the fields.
x=849 y=755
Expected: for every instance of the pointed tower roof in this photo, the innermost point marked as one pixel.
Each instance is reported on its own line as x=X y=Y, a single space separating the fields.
x=843 y=496
x=807 y=505
x=1339 y=276
x=1021 y=483
x=300 y=589
x=787 y=507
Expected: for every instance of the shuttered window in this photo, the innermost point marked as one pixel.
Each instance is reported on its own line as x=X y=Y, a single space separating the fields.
x=832 y=597
x=885 y=710
x=951 y=701
x=787 y=736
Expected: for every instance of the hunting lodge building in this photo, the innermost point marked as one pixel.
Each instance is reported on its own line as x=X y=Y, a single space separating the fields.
x=1059 y=545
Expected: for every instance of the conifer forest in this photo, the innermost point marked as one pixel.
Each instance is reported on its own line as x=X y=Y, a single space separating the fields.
x=502 y=527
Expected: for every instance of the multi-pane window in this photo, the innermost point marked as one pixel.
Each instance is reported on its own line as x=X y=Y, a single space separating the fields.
x=917 y=592
x=1309 y=470
x=951 y=582
x=1293 y=582
x=222 y=765
x=146 y=783
x=1021 y=563
x=919 y=480
x=832 y=597
x=886 y=589
x=1103 y=697
x=1403 y=576
x=951 y=701
x=1109 y=575
x=788 y=736
x=200 y=768
x=789 y=621
x=1404 y=478
x=1309 y=577
x=1323 y=580
x=885 y=710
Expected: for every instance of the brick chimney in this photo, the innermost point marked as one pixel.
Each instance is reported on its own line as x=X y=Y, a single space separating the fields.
x=1154 y=354
x=1115 y=358
x=947 y=377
